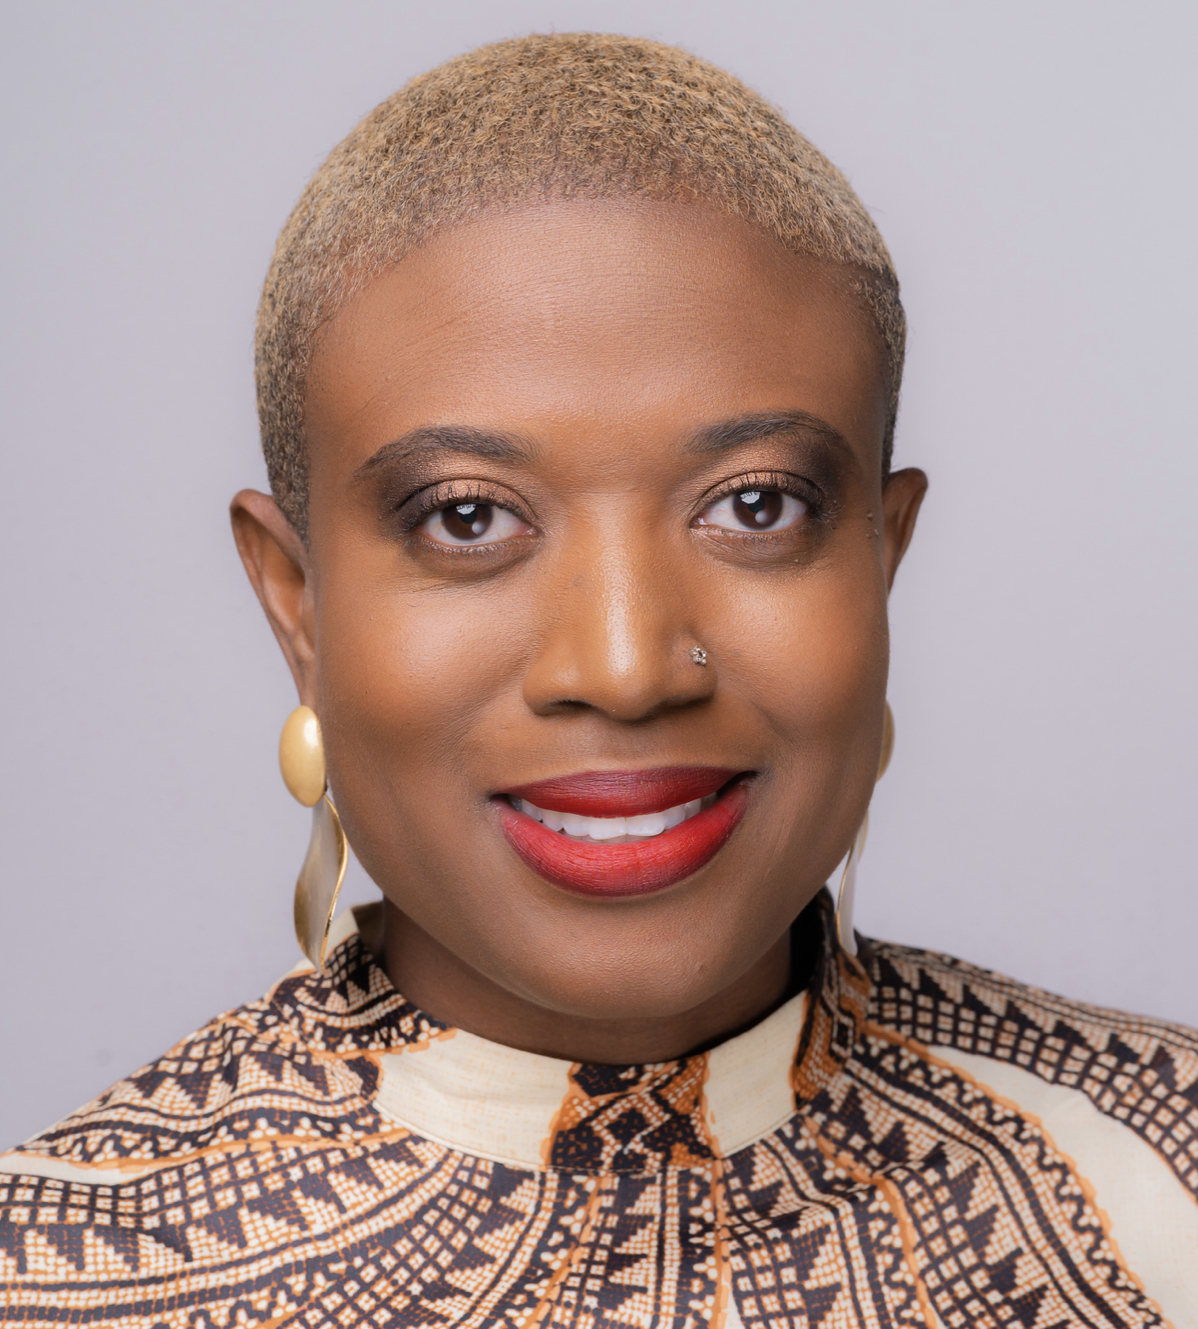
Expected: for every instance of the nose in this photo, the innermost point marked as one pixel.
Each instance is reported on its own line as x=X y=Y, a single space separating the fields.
x=618 y=637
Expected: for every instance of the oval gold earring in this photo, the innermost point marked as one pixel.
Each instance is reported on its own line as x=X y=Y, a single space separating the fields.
x=301 y=760
x=848 y=878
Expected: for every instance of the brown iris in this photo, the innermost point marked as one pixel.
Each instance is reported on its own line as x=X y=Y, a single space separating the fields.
x=758 y=507
x=467 y=521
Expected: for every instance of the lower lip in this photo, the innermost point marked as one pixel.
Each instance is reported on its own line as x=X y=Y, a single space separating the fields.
x=613 y=871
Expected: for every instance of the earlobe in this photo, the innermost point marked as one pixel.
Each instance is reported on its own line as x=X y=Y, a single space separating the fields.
x=279 y=570
x=902 y=496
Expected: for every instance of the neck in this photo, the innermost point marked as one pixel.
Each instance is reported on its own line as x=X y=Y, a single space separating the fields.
x=440 y=983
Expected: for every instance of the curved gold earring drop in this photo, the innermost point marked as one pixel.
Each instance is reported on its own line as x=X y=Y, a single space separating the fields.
x=301 y=760
x=848 y=878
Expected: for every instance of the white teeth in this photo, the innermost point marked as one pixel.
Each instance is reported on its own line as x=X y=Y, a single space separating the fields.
x=648 y=823
x=606 y=828
x=641 y=827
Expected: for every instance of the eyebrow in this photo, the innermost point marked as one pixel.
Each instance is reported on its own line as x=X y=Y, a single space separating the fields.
x=495 y=445
x=744 y=429
x=491 y=444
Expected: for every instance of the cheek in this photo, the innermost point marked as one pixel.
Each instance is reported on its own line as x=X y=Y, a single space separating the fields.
x=408 y=680
x=402 y=678
x=811 y=650
x=810 y=659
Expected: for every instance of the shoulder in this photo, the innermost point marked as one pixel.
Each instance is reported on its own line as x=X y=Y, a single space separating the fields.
x=942 y=1001
x=250 y=1137
x=1113 y=1077
x=299 y=1064
x=1103 y=1105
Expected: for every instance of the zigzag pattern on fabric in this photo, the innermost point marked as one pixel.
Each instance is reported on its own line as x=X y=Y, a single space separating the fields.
x=1139 y=1071
x=266 y=1188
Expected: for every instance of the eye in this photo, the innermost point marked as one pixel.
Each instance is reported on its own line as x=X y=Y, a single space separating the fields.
x=472 y=524
x=755 y=510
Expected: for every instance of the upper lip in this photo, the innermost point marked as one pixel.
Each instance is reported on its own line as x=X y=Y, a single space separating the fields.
x=624 y=793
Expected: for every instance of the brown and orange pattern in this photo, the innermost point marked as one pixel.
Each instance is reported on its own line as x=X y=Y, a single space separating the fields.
x=248 y=1178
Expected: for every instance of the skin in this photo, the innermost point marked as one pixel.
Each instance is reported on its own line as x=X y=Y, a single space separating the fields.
x=600 y=340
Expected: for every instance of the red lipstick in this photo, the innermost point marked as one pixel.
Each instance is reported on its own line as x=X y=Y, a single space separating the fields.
x=592 y=867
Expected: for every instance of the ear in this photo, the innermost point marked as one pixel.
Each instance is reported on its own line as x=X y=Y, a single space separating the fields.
x=902 y=496
x=281 y=574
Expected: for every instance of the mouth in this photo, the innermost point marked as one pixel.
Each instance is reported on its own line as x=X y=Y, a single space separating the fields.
x=622 y=833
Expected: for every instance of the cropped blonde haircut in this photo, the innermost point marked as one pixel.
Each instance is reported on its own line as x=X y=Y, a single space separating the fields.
x=570 y=115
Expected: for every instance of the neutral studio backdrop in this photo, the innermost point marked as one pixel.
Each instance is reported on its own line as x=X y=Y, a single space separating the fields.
x=1030 y=165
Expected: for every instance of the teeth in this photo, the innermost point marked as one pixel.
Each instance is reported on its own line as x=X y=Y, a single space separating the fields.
x=648 y=823
x=641 y=827
x=605 y=828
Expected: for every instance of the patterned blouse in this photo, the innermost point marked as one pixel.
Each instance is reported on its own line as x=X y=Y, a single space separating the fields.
x=912 y=1141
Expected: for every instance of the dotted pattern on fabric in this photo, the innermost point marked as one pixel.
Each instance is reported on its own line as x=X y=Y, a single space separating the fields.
x=265 y=1189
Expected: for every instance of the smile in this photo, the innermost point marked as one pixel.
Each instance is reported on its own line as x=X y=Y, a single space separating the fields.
x=614 y=830
x=622 y=833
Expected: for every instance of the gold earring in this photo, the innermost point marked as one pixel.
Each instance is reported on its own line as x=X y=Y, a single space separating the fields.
x=848 y=878
x=301 y=759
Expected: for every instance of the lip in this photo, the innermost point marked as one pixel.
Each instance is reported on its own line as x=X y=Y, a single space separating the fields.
x=624 y=793
x=621 y=870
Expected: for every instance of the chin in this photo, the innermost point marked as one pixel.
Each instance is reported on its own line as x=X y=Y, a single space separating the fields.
x=635 y=965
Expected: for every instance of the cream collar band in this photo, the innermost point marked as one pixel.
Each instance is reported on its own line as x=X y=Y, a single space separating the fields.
x=536 y=1112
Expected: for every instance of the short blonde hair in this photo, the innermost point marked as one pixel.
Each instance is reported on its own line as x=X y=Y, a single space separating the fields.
x=567 y=115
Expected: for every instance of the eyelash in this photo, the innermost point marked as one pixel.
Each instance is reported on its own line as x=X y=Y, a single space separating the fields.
x=416 y=509
x=412 y=511
x=778 y=481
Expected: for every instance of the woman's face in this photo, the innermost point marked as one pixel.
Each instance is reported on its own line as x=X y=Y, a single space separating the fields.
x=553 y=452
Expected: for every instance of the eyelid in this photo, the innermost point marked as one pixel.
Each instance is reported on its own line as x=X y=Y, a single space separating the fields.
x=447 y=493
x=784 y=482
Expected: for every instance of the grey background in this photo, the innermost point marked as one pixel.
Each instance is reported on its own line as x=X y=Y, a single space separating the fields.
x=1031 y=165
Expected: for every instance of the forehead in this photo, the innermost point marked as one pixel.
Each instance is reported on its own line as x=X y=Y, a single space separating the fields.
x=616 y=315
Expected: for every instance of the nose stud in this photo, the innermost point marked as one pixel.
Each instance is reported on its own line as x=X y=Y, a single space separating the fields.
x=698 y=655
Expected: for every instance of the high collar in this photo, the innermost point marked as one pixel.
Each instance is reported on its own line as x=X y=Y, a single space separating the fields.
x=531 y=1111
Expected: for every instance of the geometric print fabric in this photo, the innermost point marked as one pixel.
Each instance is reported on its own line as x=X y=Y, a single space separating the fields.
x=250 y=1178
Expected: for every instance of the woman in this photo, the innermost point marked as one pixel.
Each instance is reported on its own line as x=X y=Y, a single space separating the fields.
x=578 y=371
